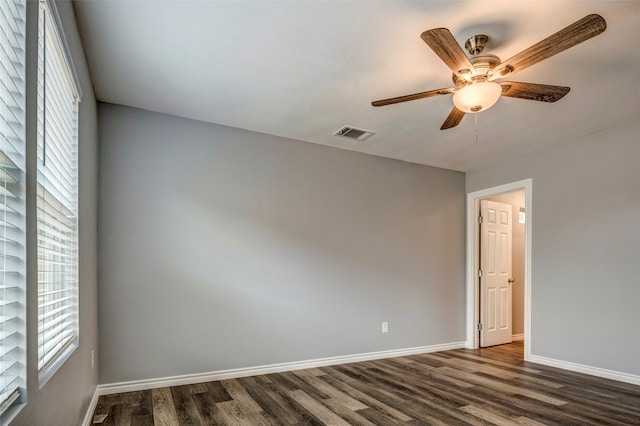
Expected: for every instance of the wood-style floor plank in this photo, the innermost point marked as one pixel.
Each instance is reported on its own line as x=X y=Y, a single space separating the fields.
x=164 y=412
x=319 y=410
x=186 y=410
x=489 y=386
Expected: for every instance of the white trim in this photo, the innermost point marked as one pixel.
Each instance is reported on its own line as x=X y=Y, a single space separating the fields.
x=517 y=337
x=187 y=379
x=473 y=201
x=88 y=417
x=586 y=369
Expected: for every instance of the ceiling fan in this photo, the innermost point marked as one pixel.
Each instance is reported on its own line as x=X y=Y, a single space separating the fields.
x=475 y=79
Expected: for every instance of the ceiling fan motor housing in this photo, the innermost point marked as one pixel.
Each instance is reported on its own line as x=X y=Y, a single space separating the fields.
x=483 y=65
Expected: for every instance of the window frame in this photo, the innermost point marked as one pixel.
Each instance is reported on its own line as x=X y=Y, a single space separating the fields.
x=56 y=193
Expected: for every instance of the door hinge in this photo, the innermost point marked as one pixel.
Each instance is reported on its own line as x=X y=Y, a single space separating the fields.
x=479 y=273
x=479 y=326
x=479 y=219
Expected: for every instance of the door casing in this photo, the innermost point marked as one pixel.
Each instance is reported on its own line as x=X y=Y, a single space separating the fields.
x=472 y=293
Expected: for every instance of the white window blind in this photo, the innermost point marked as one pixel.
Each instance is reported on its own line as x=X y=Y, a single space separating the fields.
x=12 y=204
x=56 y=198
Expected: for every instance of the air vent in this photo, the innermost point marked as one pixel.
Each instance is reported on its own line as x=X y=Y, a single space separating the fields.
x=353 y=133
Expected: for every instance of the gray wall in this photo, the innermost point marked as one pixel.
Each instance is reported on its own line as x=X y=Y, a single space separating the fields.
x=586 y=246
x=65 y=398
x=222 y=248
x=516 y=199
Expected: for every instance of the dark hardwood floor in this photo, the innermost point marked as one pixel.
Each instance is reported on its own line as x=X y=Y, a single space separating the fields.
x=466 y=387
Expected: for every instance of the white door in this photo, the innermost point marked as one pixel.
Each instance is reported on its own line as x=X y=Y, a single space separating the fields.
x=495 y=280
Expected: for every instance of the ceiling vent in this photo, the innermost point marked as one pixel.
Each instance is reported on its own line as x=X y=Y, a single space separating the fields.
x=353 y=133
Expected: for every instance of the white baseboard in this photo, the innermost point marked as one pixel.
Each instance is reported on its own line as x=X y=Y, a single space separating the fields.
x=517 y=337
x=586 y=369
x=188 y=379
x=88 y=417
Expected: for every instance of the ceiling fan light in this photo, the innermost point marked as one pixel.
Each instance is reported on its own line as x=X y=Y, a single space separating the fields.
x=477 y=96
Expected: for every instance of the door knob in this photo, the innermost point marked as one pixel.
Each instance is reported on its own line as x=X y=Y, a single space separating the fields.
x=511 y=280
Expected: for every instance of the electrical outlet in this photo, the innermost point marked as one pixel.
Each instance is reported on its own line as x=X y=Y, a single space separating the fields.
x=385 y=327
x=93 y=359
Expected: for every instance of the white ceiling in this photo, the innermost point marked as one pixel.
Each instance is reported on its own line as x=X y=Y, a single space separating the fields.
x=303 y=69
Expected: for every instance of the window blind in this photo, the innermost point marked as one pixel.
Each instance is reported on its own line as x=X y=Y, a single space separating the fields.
x=56 y=199
x=12 y=203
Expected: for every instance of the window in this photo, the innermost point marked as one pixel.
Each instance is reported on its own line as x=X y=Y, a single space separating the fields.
x=12 y=204
x=57 y=182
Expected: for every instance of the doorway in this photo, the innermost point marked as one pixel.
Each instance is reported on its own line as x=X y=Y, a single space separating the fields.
x=513 y=194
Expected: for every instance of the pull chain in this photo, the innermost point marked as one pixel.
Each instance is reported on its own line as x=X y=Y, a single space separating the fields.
x=476 y=114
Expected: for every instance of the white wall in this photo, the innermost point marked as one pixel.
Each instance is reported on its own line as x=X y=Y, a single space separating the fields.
x=64 y=399
x=222 y=248
x=585 y=246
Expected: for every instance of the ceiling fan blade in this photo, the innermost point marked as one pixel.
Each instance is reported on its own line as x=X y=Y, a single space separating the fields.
x=581 y=30
x=412 y=97
x=442 y=42
x=453 y=119
x=533 y=91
